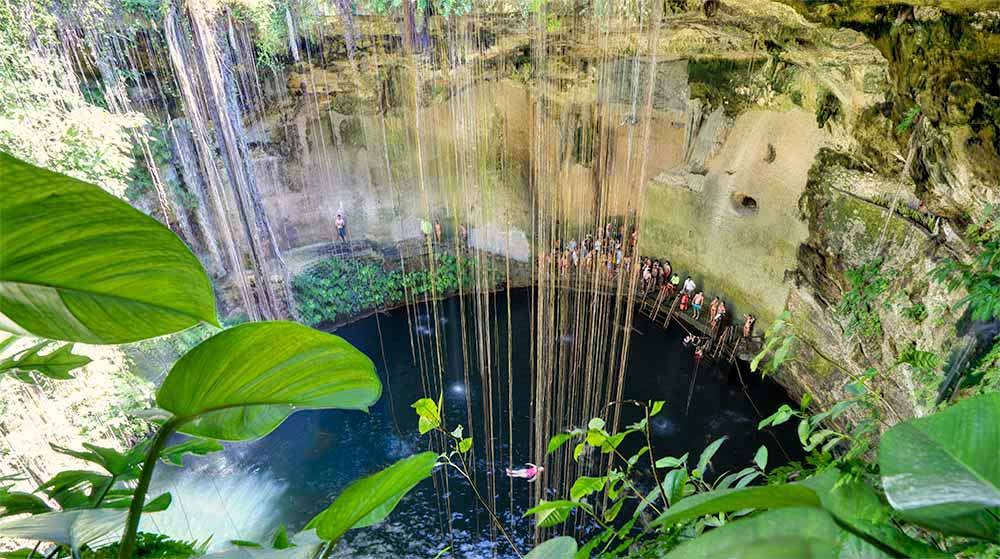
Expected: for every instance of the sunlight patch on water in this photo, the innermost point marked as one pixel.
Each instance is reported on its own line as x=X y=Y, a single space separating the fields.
x=221 y=502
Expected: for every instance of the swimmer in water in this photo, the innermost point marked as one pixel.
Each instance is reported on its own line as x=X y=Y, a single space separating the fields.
x=530 y=473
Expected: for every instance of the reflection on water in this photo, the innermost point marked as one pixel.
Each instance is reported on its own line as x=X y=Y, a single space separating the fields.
x=222 y=499
x=298 y=470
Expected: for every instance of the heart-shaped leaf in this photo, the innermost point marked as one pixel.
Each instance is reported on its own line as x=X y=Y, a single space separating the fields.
x=942 y=470
x=243 y=382
x=371 y=499
x=80 y=265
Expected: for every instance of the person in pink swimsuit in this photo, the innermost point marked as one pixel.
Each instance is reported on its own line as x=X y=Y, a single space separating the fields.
x=530 y=473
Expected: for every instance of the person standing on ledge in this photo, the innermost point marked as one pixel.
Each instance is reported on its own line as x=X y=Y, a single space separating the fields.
x=696 y=304
x=689 y=286
x=437 y=231
x=341 y=227
x=748 y=321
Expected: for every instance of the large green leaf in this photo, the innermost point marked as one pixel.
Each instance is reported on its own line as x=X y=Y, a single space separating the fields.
x=74 y=528
x=856 y=505
x=16 y=502
x=80 y=265
x=55 y=364
x=557 y=548
x=942 y=471
x=789 y=533
x=243 y=382
x=371 y=499
x=728 y=500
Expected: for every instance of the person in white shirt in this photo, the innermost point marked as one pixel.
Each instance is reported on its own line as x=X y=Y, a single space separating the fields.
x=689 y=285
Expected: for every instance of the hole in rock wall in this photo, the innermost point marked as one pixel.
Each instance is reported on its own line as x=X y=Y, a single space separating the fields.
x=744 y=204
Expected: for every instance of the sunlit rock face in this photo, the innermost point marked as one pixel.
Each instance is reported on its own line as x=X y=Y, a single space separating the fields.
x=758 y=147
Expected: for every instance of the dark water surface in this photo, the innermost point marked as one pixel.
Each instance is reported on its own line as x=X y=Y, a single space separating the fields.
x=294 y=473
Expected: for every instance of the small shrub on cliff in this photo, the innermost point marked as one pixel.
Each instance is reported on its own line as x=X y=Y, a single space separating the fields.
x=860 y=303
x=978 y=277
x=827 y=107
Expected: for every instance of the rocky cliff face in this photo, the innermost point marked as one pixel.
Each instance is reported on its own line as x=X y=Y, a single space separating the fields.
x=928 y=148
x=769 y=170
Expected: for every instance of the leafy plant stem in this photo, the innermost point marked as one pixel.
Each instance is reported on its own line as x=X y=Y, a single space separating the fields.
x=489 y=509
x=139 y=496
x=636 y=491
x=652 y=463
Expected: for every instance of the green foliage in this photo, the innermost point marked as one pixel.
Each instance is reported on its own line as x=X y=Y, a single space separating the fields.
x=791 y=533
x=337 y=289
x=980 y=281
x=429 y=413
x=149 y=9
x=56 y=364
x=446 y=8
x=926 y=220
x=267 y=17
x=942 y=471
x=779 y=343
x=938 y=471
x=371 y=499
x=986 y=373
x=908 y=120
x=140 y=181
x=859 y=305
x=827 y=107
x=261 y=372
x=918 y=359
x=726 y=500
x=46 y=120
x=151 y=546
x=557 y=548
x=917 y=313
x=81 y=265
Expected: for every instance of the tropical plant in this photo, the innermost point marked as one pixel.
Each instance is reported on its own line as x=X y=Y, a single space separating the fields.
x=338 y=288
x=917 y=313
x=672 y=476
x=28 y=362
x=81 y=266
x=859 y=305
x=837 y=514
x=977 y=277
x=908 y=119
x=431 y=419
x=779 y=342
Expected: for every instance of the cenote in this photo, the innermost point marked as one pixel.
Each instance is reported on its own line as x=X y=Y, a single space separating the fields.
x=245 y=492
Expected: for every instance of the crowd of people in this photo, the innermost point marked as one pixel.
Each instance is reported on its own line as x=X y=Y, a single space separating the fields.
x=609 y=251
